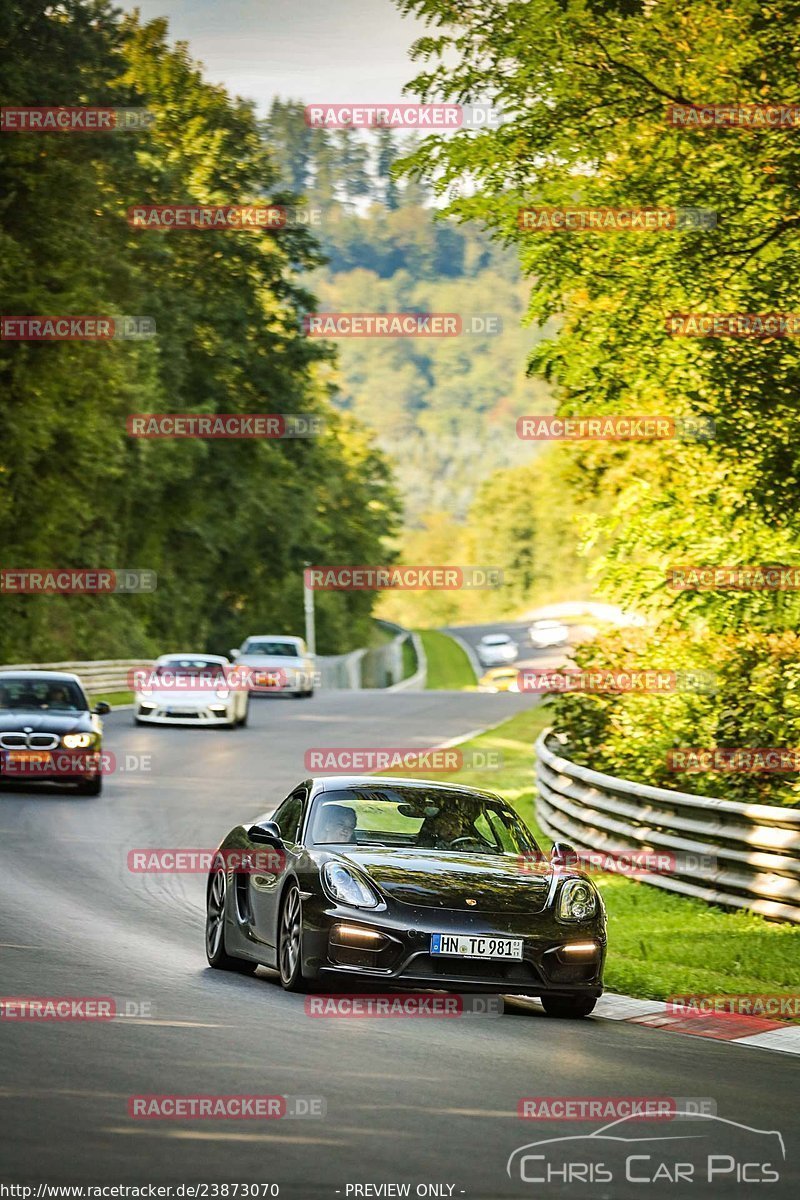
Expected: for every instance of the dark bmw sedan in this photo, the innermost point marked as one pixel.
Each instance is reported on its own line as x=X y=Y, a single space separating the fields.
x=48 y=732
x=407 y=884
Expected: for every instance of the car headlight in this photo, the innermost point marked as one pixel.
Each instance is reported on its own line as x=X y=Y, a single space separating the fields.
x=78 y=741
x=348 y=888
x=577 y=901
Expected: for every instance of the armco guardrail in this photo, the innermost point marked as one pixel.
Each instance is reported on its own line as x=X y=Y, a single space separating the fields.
x=381 y=666
x=754 y=849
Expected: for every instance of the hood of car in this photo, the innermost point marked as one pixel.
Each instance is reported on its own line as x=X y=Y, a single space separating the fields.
x=17 y=720
x=449 y=879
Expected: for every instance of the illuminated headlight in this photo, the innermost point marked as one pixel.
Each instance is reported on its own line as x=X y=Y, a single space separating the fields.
x=348 y=888
x=78 y=741
x=577 y=901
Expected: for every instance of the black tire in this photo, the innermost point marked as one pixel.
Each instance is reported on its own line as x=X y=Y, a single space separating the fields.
x=568 y=1007
x=243 y=720
x=91 y=787
x=290 y=942
x=217 y=955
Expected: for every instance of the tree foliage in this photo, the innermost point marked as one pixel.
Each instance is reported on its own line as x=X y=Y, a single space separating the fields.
x=226 y=525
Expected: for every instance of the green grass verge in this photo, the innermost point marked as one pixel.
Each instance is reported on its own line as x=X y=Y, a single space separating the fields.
x=114 y=698
x=659 y=944
x=409 y=659
x=448 y=666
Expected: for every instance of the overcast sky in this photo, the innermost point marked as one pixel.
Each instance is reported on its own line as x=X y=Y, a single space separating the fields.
x=310 y=50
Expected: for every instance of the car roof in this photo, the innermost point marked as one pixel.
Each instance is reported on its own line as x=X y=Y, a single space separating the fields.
x=212 y=658
x=59 y=675
x=496 y=637
x=272 y=637
x=331 y=783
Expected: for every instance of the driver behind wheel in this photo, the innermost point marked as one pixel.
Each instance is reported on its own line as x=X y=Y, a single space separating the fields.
x=441 y=831
x=337 y=824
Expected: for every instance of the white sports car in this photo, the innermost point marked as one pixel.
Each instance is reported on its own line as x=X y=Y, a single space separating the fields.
x=497 y=650
x=277 y=664
x=548 y=632
x=192 y=689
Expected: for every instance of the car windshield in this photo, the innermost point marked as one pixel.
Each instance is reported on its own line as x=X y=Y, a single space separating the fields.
x=419 y=819
x=496 y=639
x=41 y=695
x=189 y=667
x=273 y=649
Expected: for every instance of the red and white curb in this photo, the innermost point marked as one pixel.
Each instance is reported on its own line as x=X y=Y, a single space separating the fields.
x=760 y=1032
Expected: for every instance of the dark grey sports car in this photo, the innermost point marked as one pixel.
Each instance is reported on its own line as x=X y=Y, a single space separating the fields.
x=48 y=732
x=409 y=884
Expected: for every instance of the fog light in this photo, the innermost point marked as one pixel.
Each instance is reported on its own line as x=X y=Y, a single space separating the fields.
x=580 y=949
x=218 y=710
x=352 y=935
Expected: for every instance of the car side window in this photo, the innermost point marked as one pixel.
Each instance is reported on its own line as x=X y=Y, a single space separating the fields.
x=288 y=815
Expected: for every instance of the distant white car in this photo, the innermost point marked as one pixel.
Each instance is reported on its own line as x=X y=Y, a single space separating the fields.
x=278 y=664
x=497 y=650
x=191 y=689
x=548 y=633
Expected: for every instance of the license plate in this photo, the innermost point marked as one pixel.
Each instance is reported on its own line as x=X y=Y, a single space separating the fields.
x=27 y=757
x=461 y=945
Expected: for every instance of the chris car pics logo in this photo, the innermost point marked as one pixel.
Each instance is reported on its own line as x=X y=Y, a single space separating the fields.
x=694 y=1147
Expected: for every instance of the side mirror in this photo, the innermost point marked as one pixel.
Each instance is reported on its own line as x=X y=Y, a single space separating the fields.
x=101 y=708
x=234 y=653
x=267 y=834
x=564 y=855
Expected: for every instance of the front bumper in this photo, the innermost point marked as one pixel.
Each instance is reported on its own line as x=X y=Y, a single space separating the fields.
x=400 y=957
x=61 y=766
x=163 y=714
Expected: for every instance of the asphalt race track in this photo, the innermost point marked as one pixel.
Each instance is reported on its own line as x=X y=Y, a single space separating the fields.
x=417 y=1101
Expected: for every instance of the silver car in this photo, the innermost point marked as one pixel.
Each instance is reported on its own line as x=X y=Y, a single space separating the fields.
x=277 y=664
x=497 y=650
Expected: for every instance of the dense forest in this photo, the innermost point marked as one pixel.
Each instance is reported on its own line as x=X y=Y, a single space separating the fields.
x=225 y=525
